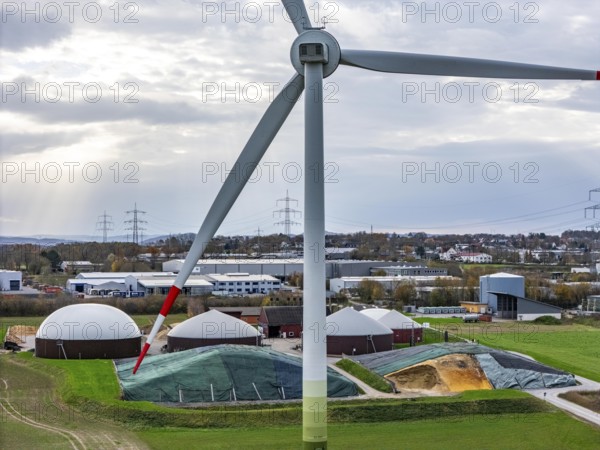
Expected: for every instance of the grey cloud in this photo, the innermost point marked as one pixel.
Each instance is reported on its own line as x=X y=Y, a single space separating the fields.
x=12 y=144
x=17 y=34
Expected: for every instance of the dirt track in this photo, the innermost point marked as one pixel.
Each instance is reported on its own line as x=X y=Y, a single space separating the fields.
x=75 y=431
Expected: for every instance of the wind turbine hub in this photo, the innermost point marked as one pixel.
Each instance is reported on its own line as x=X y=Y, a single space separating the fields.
x=315 y=46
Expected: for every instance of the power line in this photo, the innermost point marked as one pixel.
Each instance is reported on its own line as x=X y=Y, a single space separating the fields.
x=105 y=224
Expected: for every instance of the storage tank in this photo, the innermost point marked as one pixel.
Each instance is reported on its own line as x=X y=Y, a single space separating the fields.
x=88 y=331
x=505 y=283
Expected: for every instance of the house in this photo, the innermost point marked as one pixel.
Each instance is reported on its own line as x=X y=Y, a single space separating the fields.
x=478 y=258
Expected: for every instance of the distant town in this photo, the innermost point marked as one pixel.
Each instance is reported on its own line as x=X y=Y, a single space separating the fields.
x=407 y=272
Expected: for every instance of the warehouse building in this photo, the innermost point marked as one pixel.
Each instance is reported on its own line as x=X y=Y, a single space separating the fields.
x=388 y=282
x=503 y=295
x=11 y=280
x=411 y=271
x=161 y=285
x=243 y=283
x=280 y=268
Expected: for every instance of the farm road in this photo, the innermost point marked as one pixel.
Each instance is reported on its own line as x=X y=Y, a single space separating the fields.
x=552 y=396
x=35 y=408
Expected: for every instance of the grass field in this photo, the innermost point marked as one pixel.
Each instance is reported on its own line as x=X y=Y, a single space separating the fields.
x=448 y=423
x=538 y=431
x=33 y=416
x=476 y=419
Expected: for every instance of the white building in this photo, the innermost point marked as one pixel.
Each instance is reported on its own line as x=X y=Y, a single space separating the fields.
x=11 y=280
x=412 y=271
x=78 y=266
x=100 y=282
x=194 y=285
x=468 y=257
x=243 y=283
x=478 y=258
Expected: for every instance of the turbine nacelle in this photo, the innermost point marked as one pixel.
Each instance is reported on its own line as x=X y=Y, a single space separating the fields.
x=307 y=46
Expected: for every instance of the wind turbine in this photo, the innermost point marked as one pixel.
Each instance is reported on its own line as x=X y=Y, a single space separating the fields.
x=315 y=54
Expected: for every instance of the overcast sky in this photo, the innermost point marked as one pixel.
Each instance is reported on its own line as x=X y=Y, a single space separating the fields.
x=105 y=105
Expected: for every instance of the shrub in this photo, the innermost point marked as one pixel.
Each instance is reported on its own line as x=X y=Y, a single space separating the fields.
x=548 y=320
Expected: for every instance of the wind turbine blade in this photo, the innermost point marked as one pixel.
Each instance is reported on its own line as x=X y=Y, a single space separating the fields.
x=412 y=63
x=298 y=14
x=255 y=148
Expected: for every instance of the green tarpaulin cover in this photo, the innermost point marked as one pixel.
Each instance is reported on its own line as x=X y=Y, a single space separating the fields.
x=221 y=373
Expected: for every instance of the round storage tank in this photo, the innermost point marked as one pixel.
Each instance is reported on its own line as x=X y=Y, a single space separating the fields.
x=88 y=331
x=375 y=313
x=352 y=333
x=211 y=328
x=404 y=328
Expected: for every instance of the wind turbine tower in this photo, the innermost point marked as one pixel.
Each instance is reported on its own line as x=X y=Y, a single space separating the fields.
x=315 y=54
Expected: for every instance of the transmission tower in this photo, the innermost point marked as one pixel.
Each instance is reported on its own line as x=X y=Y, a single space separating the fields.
x=136 y=228
x=596 y=226
x=105 y=224
x=287 y=213
x=594 y=208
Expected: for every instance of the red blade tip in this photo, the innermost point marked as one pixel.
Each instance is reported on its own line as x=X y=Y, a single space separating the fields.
x=141 y=357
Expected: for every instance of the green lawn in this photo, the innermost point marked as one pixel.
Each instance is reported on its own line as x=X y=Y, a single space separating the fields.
x=148 y=319
x=475 y=419
x=364 y=374
x=536 y=431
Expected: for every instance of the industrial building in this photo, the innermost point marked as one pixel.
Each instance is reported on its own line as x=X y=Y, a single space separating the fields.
x=211 y=328
x=388 y=282
x=149 y=283
x=280 y=268
x=85 y=282
x=11 y=280
x=503 y=295
x=161 y=285
x=507 y=283
x=411 y=271
x=88 y=331
x=243 y=283
x=352 y=333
